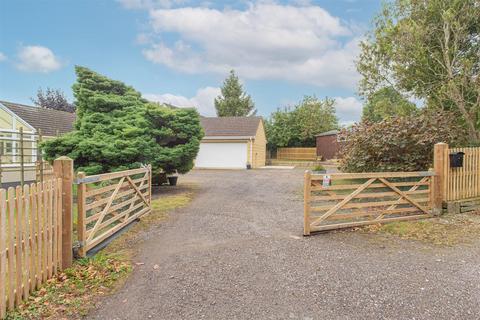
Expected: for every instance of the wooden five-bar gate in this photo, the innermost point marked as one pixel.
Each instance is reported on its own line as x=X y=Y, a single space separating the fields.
x=108 y=202
x=341 y=200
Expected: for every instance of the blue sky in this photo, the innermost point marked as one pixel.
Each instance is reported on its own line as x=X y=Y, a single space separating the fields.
x=179 y=51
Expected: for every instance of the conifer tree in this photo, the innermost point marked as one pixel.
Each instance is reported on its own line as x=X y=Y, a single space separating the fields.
x=116 y=129
x=233 y=102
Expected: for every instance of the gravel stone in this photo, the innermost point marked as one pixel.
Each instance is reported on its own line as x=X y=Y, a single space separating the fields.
x=237 y=252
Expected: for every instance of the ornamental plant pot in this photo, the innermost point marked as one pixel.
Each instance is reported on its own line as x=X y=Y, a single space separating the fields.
x=159 y=178
x=172 y=180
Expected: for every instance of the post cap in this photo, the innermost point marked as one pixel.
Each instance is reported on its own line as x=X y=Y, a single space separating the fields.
x=64 y=158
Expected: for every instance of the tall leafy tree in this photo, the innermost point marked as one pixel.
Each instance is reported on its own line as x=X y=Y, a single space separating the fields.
x=386 y=103
x=233 y=102
x=53 y=99
x=428 y=49
x=117 y=129
x=297 y=126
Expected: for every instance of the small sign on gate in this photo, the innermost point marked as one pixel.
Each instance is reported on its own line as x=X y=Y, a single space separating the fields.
x=327 y=181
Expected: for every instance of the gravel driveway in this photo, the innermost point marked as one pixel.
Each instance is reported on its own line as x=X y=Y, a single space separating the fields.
x=237 y=252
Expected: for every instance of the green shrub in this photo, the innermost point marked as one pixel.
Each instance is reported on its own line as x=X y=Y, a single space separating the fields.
x=319 y=168
x=116 y=129
x=399 y=143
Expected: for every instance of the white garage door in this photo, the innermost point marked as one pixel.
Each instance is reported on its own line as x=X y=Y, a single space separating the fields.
x=222 y=155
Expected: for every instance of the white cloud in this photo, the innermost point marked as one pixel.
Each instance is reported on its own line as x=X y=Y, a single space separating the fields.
x=349 y=109
x=3 y=57
x=203 y=100
x=265 y=41
x=37 y=59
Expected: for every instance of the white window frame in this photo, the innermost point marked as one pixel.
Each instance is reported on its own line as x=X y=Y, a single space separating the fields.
x=15 y=136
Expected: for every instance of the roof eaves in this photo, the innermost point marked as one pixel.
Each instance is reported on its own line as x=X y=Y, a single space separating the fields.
x=228 y=137
x=7 y=109
x=328 y=133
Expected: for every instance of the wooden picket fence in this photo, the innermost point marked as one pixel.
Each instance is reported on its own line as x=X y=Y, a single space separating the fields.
x=309 y=154
x=463 y=182
x=344 y=200
x=36 y=222
x=30 y=240
x=109 y=202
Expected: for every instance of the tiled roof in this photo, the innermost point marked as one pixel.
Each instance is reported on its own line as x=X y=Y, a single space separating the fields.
x=230 y=126
x=48 y=120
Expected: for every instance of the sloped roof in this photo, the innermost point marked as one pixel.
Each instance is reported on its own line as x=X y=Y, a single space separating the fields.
x=48 y=120
x=230 y=126
x=328 y=133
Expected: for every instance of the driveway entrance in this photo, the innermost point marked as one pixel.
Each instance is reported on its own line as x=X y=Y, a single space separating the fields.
x=237 y=252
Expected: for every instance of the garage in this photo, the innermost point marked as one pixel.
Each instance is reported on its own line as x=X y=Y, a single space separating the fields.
x=232 y=143
x=222 y=155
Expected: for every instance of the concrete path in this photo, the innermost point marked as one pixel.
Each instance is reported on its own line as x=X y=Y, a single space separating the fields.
x=237 y=253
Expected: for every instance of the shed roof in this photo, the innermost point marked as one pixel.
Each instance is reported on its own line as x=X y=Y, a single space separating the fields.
x=230 y=126
x=328 y=133
x=48 y=120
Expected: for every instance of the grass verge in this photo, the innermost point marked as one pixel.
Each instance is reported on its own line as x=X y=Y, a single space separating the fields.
x=447 y=230
x=72 y=293
x=69 y=295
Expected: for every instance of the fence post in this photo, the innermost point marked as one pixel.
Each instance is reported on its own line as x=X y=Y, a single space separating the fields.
x=439 y=181
x=63 y=169
x=81 y=215
x=39 y=154
x=22 y=159
x=307 y=183
x=150 y=185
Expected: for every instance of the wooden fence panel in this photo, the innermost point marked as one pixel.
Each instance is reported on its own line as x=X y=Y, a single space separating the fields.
x=341 y=200
x=463 y=182
x=30 y=240
x=109 y=202
x=309 y=154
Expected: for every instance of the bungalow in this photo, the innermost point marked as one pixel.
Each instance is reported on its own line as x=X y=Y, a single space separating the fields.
x=229 y=142
x=32 y=120
x=232 y=143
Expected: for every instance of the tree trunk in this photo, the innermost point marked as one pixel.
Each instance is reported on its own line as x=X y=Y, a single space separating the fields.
x=455 y=91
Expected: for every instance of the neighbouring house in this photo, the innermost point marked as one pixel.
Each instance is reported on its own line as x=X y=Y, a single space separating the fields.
x=33 y=121
x=327 y=145
x=232 y=143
